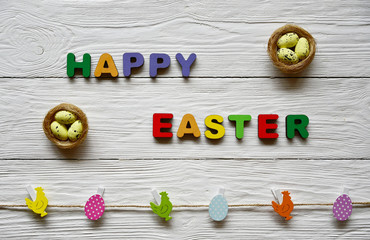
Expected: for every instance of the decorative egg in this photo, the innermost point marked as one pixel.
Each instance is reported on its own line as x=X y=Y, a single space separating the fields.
x=302 y=49
x=65 y=117
x=218 y=208
x=75 y=131
x=287 y=56
x=59 y=130
x=95 y=207
x=288 y=40
x=342 y=207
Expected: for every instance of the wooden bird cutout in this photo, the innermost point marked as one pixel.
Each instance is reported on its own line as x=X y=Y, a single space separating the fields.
x=39 y=205
x=286 y=207
x=164 y=208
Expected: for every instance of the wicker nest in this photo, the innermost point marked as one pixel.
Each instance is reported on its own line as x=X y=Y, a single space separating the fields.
x=272 y=48
x=50 y=117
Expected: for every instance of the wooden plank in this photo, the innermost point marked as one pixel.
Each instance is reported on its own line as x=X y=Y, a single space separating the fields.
x=230 y=38
x=120 y=117
x=129 y=182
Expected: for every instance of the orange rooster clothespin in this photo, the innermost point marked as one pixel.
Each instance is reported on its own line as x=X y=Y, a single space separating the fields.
x=284 y=205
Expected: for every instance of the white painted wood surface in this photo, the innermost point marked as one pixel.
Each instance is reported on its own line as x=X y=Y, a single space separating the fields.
x=230 y=38
x=120 y=116
x=232 y=75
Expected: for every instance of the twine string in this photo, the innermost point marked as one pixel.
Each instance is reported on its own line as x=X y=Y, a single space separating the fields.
x=365 y=204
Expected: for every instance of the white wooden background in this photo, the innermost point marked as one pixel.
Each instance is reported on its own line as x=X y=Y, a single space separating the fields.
x=232 y=75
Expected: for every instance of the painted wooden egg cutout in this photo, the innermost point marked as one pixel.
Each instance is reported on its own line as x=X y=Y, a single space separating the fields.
x=218 y=208
x=342 y=207
x=94 y=207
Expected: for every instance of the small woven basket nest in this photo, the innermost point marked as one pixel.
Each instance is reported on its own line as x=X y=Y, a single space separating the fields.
x=50 y=117
x=272 y=48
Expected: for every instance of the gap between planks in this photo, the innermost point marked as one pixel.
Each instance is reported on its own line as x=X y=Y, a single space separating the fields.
x=180 y=77
x=191 y=159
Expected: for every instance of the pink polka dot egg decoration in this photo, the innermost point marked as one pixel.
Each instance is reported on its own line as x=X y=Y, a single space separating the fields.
x=342 y=207
x=94 y=207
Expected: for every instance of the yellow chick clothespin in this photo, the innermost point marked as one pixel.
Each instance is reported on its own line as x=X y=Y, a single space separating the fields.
x=39 y=201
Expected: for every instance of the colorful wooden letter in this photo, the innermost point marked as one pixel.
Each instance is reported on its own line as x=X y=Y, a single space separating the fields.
x=157 y=61
x=296 y=122
x=214 y=122
x=239 y=124
x=263 y=126
x=158 y=125
x=186 y=64
x=188 y=120
x=131 y=60
x=72 y=65
x=106 y=65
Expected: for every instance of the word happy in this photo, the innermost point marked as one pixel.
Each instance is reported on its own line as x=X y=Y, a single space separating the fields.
x=266 y=126
x=107 y=67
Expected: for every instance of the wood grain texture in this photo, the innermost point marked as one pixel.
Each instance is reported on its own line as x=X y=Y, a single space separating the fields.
x=120 y=117
x=230 y=38
x=130 y=182
x=232 y=75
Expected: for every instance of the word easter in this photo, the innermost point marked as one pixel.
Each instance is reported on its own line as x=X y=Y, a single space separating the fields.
x=188 y=125
x=107 y=66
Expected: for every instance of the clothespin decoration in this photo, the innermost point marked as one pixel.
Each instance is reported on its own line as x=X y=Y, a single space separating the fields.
x=164 y=207
x=284 y=205
x=218 y=208
x=39 y=201
x=95 y=207
x=342 y=207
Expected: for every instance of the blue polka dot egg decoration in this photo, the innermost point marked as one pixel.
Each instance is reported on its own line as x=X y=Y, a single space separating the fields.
x=218 y=208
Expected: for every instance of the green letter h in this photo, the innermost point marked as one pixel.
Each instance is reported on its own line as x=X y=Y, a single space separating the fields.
x=72 y=65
